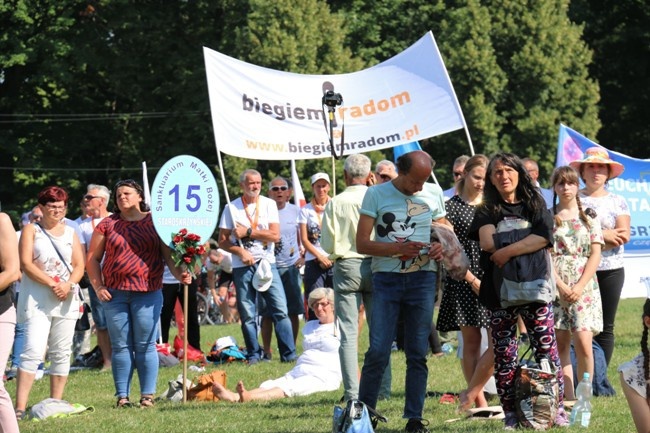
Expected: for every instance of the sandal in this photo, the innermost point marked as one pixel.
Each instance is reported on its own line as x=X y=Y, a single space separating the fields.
x=146 y=401
x=123 y=402
x=20 y=414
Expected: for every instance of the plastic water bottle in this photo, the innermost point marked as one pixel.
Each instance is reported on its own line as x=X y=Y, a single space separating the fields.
x=581 y=412
x=447 y=348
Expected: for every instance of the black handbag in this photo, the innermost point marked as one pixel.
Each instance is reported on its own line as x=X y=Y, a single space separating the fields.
x=83 y=323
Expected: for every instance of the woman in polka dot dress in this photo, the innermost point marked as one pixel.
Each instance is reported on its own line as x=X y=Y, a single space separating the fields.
x=460 y=308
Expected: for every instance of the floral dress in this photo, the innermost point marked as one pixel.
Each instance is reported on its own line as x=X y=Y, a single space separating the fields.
x=572 y=241
x=633 y=374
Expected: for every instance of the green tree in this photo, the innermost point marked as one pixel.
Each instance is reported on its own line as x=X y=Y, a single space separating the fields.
x=619 y=34
x=546 y=62
x=518 y=68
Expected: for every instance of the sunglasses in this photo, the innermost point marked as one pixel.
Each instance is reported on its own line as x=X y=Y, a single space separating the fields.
x=279 y=188
x=458 y=173
x=385 y=177
x=89 y=197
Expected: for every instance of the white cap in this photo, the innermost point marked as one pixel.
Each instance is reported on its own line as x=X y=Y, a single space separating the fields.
x=263 y=276
x=225 y=342
x=318 y=176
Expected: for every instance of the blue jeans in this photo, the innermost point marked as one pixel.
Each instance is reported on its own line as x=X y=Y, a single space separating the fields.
x=19 y=341
x=415 y=292
x=292 y=284
x=315 y=277
x=97 y=309
x=276 y=304
x=132 y=319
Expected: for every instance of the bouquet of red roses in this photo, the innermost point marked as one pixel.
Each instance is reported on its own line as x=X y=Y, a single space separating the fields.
x=187 y=250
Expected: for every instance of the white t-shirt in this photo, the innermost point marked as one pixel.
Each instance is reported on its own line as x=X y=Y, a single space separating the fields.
x=226 y=263
x=87 y=227
x=287 y=251
x=267 y=213
x=312 y=219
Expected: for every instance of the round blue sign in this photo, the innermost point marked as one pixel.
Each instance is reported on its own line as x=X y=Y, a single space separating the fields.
x=184 y=196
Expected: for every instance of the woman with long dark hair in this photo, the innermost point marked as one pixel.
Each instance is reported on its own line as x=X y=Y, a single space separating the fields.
x=512 y=203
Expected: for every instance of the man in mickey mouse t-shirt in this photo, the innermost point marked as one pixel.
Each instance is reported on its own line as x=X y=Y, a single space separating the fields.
x=404 y=276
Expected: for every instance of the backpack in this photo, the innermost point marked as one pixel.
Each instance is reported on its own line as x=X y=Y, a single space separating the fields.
x=202 y=388
x=226 y=354
x=55 y=408
x=601 y=385
x=92 y=359
x=355 y=418
x=536 y=393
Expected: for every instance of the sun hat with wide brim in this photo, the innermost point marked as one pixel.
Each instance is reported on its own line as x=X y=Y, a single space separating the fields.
x=598 y=155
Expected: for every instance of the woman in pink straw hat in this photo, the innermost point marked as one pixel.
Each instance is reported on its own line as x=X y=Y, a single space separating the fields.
x=596 y=169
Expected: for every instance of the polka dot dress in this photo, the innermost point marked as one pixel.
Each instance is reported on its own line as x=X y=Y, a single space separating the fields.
x=459 y=305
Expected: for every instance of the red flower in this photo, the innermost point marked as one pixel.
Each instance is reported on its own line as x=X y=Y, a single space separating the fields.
x=178 y=239
x=200 y=250
x=182 y=232
x=190 y=250
x=187 y=259
x=192 y=237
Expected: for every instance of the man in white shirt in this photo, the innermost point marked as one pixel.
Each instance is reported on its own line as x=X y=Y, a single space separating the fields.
x=288 y=259
x=96 y=200
x=249 y=228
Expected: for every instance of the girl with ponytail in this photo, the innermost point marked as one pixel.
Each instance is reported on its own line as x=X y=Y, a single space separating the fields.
x=635 y=379
x=577 y=243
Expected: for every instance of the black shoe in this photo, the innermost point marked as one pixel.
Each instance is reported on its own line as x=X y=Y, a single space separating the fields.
x=417 y=425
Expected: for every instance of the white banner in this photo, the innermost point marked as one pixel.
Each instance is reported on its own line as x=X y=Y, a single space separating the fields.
x=261 y=113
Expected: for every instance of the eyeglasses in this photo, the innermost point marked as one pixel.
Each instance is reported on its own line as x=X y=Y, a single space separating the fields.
x=279 y=188
x=35 y=217
x=53 y=208
x=458 y=173
x=89 y=197
x=320 y=304
x=385 y=177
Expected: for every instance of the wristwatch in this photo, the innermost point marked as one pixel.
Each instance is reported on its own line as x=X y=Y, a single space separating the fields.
x=249 y=232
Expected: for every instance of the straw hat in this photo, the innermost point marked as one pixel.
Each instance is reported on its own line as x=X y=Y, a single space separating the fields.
x=598 y=155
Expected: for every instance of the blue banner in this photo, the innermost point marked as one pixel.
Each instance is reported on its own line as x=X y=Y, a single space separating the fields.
x=405 y=148
x=633 y=184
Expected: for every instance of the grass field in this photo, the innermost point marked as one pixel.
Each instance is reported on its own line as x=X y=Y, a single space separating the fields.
x=304 y=414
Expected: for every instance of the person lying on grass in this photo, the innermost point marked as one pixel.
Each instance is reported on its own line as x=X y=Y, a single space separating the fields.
x=317 y=369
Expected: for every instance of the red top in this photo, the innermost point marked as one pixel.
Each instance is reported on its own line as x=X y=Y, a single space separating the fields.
x=132 y=260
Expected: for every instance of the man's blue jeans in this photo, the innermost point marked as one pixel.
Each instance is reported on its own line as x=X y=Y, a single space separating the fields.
x=276 y=305
x=132 y=319
x=415 y=292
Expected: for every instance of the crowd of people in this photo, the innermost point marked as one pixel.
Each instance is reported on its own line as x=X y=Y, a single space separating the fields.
x=367 y=252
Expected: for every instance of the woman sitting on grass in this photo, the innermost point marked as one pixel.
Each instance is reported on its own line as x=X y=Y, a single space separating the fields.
x=317 y=369
x=635 y=379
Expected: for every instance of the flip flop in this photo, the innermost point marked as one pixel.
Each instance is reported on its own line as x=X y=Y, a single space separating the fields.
x=481 y=413
x=485 y=413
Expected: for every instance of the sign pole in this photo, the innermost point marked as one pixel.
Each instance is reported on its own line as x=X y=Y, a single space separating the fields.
x=184 y=196
x=185 y=299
